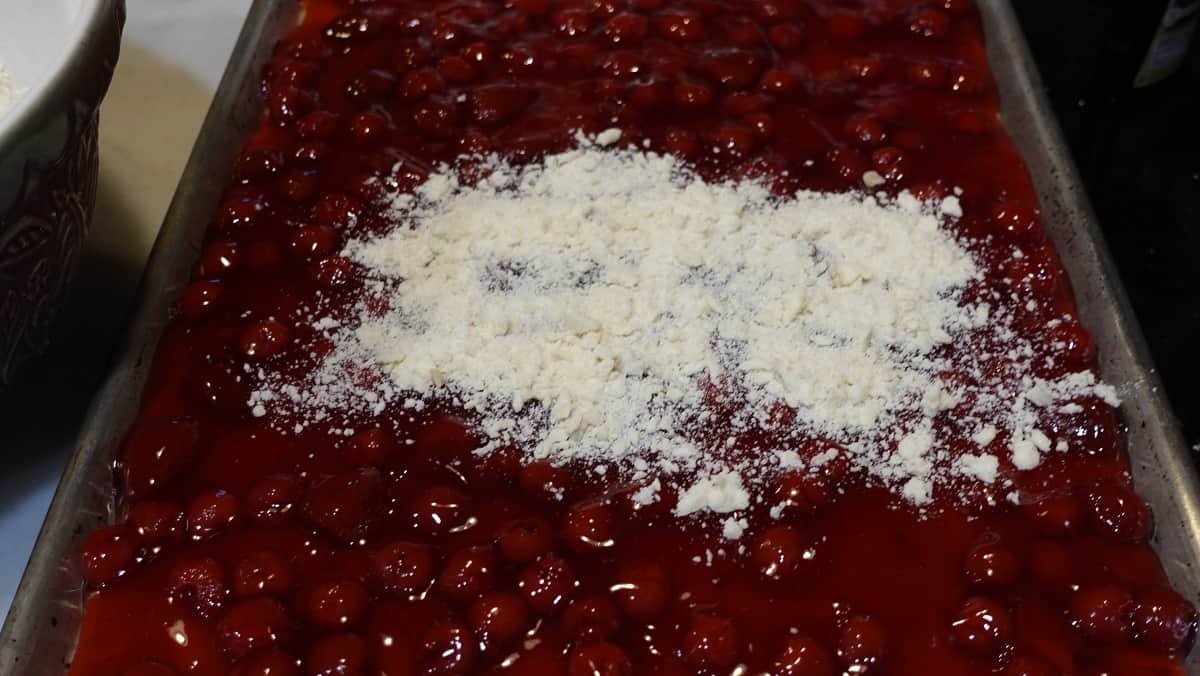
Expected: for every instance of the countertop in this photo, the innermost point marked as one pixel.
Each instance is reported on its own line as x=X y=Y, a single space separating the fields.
x=1139 y=154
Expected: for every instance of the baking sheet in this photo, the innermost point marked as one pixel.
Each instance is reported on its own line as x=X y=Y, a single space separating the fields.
x=40 y=632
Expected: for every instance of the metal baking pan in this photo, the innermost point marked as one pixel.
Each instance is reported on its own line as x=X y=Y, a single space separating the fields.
x=40 y=632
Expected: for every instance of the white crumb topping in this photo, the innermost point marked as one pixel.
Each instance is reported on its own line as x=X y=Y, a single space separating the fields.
x=597 y=306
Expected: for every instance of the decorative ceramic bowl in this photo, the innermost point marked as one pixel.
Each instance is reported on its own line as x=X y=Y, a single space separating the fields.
x=60 y=55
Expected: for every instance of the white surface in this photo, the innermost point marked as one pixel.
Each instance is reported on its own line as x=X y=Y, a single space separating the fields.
x=36 y=36
x=173 y=55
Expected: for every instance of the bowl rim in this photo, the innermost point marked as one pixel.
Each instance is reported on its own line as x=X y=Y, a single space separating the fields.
x=56 y=88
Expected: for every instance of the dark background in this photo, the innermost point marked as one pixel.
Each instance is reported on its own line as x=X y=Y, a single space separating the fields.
x=1138 y=151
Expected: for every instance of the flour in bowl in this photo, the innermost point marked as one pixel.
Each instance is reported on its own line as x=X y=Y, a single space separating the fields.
x=8 y=95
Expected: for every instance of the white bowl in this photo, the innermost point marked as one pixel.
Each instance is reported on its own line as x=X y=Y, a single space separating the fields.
x=36 y=37
x=60 y=55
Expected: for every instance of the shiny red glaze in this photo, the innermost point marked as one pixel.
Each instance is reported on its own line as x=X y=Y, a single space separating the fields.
x=262 y=339
x=1055 y=514
x=590 y=618
x=108 y=553
x=313 y=241
x=598 y=659
x=267 y=663
x=157 y=522
x=543 y=480
x=148 y=669
x=1120 y=513
x=641 y=589
x=253 y=625
x=1102 y=612
x=263 y=572
x=365 y=98
x=402 y=567
x=211 y=512
x=1164 y=620
x=983 y=626
x=468 y=573
x=447 y=648
x=1030 y=665
x=218 y=258
x=991 y=564
x=337 y=604
x=786 y=37
x=274 y=499
x=1077 y=348
x=198 y=581
x=779 y=553
x=546 y=583
x=441 y=509
x=342 y=654
x=802 y=656
x=1050 y=565
x=862 y=644
x=369 y=447
x=588 y=528
x=498 y=619
x=711 y=643
x=523 y=540
x=157 y=452
x=346 y=506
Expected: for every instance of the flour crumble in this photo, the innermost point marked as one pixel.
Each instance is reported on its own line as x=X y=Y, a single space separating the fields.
x=607 y=306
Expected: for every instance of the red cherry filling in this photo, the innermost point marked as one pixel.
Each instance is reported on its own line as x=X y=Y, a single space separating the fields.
x=211 y=512
x=263 y=572
x=862 y=643
x=711 y=642
x=157 y=452
x=447 y=648
x=1119 y=513
x=267 y=663
x=991 y=564
x=272 y=501
x=337 y=654
x=1164 y=620
x=402 y=567
x=109 y=553
x=355 y=543
x=200 y=583
x=498 y=619
x=982 y=626
x=1102 y=612
x=780 y=553
x=157 y=522
x=252 y=625
x=1029 y=665
x=337 y=604
x=468 y=573
x=440 y=510
x=546 y=583
x=803 y=656
x=346 y=506
x=524 y=539
x=599 y=659
x=641 y=589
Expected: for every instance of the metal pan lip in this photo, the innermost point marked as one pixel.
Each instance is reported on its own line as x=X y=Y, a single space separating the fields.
x=51 y=583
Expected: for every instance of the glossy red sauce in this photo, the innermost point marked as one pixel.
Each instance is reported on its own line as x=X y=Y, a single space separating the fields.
x=247 y=552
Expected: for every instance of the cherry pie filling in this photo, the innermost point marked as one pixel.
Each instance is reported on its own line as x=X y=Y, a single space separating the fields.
x=396 y=550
